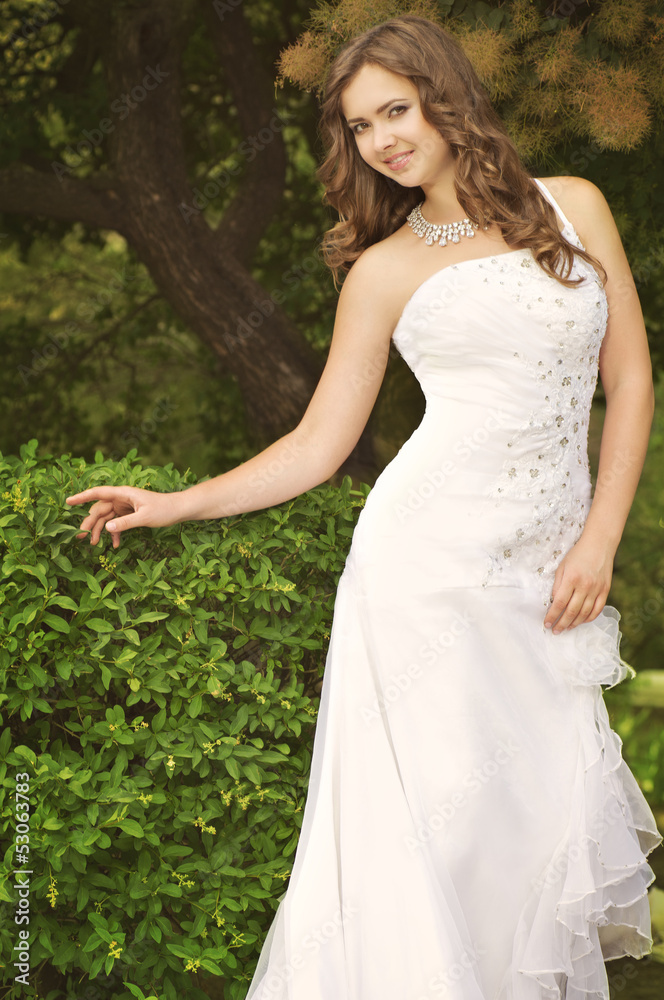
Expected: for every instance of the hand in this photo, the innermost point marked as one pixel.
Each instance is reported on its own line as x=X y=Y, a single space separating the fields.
x=122 y=507
x=580 y=586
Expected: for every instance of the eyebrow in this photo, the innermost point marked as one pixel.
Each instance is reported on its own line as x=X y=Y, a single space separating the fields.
x=349 y=121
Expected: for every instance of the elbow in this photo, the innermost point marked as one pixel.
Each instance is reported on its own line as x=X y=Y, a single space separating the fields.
x=321 y=454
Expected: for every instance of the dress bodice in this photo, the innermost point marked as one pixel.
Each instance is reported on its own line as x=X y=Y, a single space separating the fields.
x=507 y=358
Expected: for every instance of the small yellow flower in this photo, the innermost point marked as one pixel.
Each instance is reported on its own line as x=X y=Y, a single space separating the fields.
x=114 y=949
x=52 y=891
x=183 y=880
x=16 y=499
x=204 y=829
x=192 y=965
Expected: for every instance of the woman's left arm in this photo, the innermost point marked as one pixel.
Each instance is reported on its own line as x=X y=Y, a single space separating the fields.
x=583 y=578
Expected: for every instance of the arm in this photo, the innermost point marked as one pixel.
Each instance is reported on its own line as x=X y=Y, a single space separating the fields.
x=583 y=578
x=301 y=459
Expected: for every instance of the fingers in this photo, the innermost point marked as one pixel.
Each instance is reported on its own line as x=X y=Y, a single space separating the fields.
x=118 y=524
x=110 y=503
x=573 y=606
x=94 y=522
x=99 y=493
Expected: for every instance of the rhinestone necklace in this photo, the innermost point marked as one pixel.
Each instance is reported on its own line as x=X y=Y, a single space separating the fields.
x=441 y=234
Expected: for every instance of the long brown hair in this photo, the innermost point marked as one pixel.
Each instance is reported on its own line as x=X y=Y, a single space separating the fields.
x=490 y=183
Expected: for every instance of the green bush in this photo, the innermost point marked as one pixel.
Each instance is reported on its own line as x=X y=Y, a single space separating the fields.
x=638 y=583
x=161 y=700
x=636 y=710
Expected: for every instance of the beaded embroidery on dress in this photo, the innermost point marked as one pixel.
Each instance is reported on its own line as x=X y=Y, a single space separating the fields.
x=471 y=830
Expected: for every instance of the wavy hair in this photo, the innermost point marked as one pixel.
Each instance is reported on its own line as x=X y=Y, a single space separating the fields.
x=490 y=182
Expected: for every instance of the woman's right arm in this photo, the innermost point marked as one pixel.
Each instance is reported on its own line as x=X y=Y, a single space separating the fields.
x=298 y=461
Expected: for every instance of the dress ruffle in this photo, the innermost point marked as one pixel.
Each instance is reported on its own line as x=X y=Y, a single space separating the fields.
x=590 y=904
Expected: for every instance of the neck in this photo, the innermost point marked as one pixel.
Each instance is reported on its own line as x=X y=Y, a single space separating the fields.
x=440 y=203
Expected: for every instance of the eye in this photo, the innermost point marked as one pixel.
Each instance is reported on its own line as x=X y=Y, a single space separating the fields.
x=400 y=108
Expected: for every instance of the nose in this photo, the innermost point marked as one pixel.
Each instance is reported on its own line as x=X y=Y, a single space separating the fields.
x=383 y=137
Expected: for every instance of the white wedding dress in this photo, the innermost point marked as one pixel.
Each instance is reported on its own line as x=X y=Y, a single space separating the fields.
x=471 y=830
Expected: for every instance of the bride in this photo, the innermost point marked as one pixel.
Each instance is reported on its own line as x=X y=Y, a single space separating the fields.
x=470 y=821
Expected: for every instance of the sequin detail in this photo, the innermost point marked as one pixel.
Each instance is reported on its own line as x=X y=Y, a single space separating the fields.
x=546 y=462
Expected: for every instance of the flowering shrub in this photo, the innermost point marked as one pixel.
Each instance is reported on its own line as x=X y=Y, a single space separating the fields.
x=157 y=705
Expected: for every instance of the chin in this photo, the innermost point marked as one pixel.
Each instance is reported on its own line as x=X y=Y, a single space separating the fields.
x=400 y=181
x=405 y=183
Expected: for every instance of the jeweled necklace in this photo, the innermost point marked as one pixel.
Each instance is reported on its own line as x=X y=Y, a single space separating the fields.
x=448 y=232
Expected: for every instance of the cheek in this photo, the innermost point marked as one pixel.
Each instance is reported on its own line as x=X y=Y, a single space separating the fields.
x=434 y=143
x=364 y=151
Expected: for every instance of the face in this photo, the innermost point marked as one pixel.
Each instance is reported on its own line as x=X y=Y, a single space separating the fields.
x=383 y=113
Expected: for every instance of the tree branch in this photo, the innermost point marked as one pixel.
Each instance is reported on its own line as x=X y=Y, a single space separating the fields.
x=70 y=199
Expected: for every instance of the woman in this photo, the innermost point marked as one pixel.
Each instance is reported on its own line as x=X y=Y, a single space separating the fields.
x=470 y=828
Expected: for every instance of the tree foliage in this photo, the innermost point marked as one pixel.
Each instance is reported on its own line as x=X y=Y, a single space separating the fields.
x=160 y=700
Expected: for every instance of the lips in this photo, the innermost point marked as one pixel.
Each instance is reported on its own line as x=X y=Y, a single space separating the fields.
x=399 y=159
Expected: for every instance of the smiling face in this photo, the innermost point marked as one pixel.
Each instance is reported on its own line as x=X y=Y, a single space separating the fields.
x=382 y=110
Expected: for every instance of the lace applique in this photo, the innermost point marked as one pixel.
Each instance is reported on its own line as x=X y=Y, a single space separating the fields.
x=547 y=458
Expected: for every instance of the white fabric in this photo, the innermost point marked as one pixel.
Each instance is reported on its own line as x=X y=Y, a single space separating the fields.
x=471 y=830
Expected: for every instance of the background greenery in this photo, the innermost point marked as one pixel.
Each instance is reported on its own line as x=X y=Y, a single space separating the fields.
x=119 y=334
x=162 y=698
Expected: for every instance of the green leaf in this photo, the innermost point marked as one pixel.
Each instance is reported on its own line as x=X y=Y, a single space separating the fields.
x=62 y=601
x=252 y=772
x=210 y=966
x=52 y=823
x=132 y=827
x=59 y=624
x=193 y=708
x=99 y=625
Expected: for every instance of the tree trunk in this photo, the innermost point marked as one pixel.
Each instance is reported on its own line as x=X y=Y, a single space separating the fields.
x=146 y=195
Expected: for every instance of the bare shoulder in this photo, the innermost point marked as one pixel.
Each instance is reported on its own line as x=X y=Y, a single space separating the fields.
x=378 y=258
x=377 y=277
x=584 y=205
